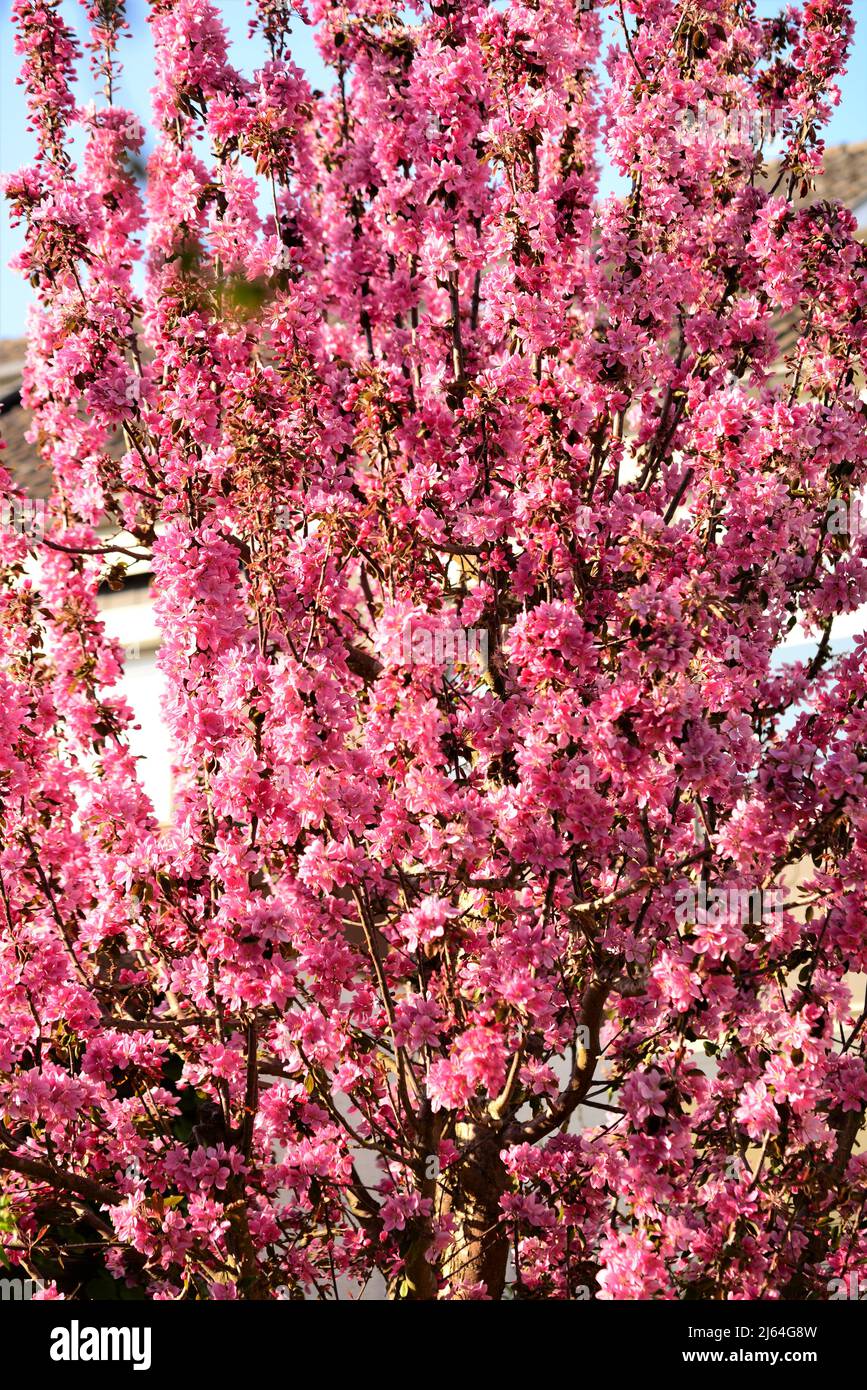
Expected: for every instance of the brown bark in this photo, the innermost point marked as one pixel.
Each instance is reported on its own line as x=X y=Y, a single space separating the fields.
x=479 y=1251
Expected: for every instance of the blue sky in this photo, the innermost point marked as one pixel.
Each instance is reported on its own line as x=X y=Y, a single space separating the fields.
x=848 y=124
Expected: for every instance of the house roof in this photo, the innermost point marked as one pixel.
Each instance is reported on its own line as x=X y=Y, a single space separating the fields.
x=28 y=469
x=22 y=458
x=844 y=178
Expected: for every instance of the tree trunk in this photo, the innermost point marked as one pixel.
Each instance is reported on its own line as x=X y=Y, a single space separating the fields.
x=471 y=1191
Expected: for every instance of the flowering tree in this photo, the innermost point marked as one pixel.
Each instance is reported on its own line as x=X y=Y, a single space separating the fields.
x=477 y=961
